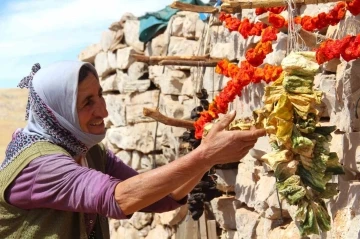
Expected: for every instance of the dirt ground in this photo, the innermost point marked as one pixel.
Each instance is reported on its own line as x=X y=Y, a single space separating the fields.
x=12 y=115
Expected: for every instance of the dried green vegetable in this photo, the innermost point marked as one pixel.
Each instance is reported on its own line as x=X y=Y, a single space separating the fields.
x=301 y=158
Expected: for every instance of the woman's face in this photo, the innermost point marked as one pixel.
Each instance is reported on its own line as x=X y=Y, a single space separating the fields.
x=91 y=107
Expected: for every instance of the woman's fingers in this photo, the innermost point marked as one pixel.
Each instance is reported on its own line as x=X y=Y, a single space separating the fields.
x=250 y=135
x=224 y=122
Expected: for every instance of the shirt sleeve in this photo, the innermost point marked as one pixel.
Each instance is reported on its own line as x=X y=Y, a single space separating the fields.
x=58 y=182
x=116 y=168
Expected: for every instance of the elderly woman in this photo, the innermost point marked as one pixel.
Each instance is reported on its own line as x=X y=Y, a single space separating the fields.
x=58 y=181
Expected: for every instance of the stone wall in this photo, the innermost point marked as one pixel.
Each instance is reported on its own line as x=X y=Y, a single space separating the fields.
x=255 y=210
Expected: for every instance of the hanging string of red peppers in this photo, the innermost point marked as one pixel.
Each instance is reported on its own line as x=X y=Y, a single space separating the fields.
x=348 y=48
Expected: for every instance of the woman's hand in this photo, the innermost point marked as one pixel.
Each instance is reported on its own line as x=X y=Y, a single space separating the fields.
x=220 y=146
x=180 y=176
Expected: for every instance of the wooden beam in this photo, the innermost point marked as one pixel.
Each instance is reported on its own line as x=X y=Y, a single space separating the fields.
x=188 y=63
x=193 y=8
x=188 y=229
x=211 y=226
x=152 y=60
x=203 y=226
x=237 y=5
x=156 y=115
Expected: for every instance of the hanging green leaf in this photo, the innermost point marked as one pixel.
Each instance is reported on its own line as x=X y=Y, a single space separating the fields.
x=292 y=189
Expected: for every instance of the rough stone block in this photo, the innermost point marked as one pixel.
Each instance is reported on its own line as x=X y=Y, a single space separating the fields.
x=350 y=147
x=124 y=58
x=134 y=137
x=140 y=219
x=137 y=70
x=157 y=46
x=171 y=82
x=171 y=107
x=246 y=222
x=104 y=64
x=181 y=47
x=134 y=113
x=116 y=109
x=173 y=217
x=125 y=156
x=224 y=212
x=147 y=97
x=289 y=231
x=156 y=71
x=188 y=87
x=136 y=160
x=159 y=232
x=226 y=179
x=109 y=83
x=345 y=211
x=250 y=100
x=347 y=94
x=177 y=25
x=190 y=25
x=135 y=86
x=131 y=33
x=89 y=53
x=107 y=39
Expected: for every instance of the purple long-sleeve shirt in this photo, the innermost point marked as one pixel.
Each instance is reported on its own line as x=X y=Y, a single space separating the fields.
x=58 y=182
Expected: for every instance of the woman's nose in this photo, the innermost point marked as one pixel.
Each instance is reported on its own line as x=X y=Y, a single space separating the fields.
x=101 y=109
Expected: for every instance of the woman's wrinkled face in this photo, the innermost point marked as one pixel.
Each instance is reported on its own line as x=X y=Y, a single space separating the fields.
x=91 y=106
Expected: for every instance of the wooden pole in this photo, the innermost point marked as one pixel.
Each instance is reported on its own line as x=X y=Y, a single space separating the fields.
x=245 y=4
x=203 y=226
x=187 y=63
x=156 y=115
x=193 y=8
x=211 y=226
x=152 y=60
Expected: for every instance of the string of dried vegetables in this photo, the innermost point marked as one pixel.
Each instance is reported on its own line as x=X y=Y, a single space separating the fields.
x=255 y=56
x=301 y=159
x=309 y=23
x=240 y=77
x=318 y=22
x=348 y=48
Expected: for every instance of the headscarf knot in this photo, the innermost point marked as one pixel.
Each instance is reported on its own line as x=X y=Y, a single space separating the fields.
x=25 y=82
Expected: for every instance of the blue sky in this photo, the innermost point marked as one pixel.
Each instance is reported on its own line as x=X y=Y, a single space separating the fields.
x=47 y=31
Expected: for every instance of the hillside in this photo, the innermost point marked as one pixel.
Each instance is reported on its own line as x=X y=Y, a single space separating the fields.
x=12 y=114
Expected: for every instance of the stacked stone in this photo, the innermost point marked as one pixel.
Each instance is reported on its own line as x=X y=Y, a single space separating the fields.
x=128 y=87
x=250 y=207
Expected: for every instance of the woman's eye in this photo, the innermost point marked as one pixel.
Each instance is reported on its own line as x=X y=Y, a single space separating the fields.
x=88 y=103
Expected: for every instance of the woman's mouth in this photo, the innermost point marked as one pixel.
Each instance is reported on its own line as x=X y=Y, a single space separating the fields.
x=97 y=123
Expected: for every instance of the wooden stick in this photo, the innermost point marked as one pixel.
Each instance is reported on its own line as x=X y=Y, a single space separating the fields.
x=157 y=59
x=187 y=63
x=246 y=4
x=156 y=115
x=193 y=8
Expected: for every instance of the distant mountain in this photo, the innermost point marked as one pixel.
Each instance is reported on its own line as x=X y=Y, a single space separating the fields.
x=12 y=114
